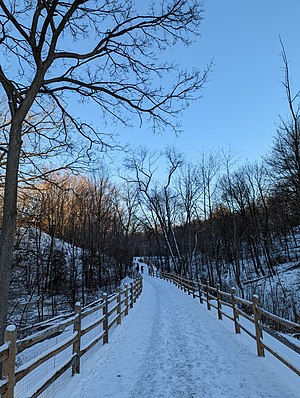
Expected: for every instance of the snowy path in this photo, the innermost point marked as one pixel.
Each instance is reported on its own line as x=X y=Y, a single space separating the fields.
x=170 y=346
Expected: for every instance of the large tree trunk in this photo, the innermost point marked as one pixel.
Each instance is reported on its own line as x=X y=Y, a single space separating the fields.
x=7 y=236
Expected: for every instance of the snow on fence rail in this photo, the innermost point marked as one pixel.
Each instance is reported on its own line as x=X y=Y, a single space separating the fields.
x=78 y=334
x=249 y=310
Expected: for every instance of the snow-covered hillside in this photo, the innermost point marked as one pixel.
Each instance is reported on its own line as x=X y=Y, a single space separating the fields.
x=280 y=293
x=49 y=276
x=42 y=267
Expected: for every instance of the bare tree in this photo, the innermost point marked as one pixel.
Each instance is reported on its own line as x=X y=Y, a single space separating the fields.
x=189 y=193
x=284 y=156
x=208 y=174
x=104 y=52
x=158 y=200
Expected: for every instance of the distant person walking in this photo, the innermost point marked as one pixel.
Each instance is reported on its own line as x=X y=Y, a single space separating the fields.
x=137 y=268
x=142 y=269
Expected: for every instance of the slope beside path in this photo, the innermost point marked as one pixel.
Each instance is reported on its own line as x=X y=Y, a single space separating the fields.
x=170 y=346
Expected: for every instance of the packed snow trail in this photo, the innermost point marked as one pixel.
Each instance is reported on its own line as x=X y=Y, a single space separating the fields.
x=170 y=346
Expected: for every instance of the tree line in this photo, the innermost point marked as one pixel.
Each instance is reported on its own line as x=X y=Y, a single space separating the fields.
x=213 y=220
x=75 y=239
x=208 y=218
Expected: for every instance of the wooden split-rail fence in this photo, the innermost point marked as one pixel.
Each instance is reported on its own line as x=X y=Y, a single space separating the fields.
x=250 y=310
x=112 y=308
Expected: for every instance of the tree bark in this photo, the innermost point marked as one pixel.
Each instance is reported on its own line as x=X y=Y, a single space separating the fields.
x=7 y=236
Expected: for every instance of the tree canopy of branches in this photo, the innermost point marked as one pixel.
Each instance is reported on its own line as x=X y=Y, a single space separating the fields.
x=101 y=52
x=284 y=157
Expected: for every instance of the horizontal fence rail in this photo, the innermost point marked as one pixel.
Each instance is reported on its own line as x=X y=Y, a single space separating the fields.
x=240 y=308
x=83 y=330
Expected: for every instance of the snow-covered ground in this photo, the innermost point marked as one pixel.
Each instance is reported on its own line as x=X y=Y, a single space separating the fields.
x=170 y=346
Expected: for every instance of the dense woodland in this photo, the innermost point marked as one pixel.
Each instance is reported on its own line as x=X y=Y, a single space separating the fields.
x=209 y=218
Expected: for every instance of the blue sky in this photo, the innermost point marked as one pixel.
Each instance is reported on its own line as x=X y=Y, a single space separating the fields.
x=244 y=97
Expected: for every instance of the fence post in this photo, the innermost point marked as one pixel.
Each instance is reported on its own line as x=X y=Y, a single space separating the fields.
x=135 y=290
x=207 y=297
x=141 y=286
x=200 y=292
x=131 y=295
x=258 y=331
x=219 y=302
x=105 y=320
x=184 y=285
x=119 y=310
x=235 y=311
x=126 y=300
x=8 y=366
x=76 y=344
x=193 y=288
